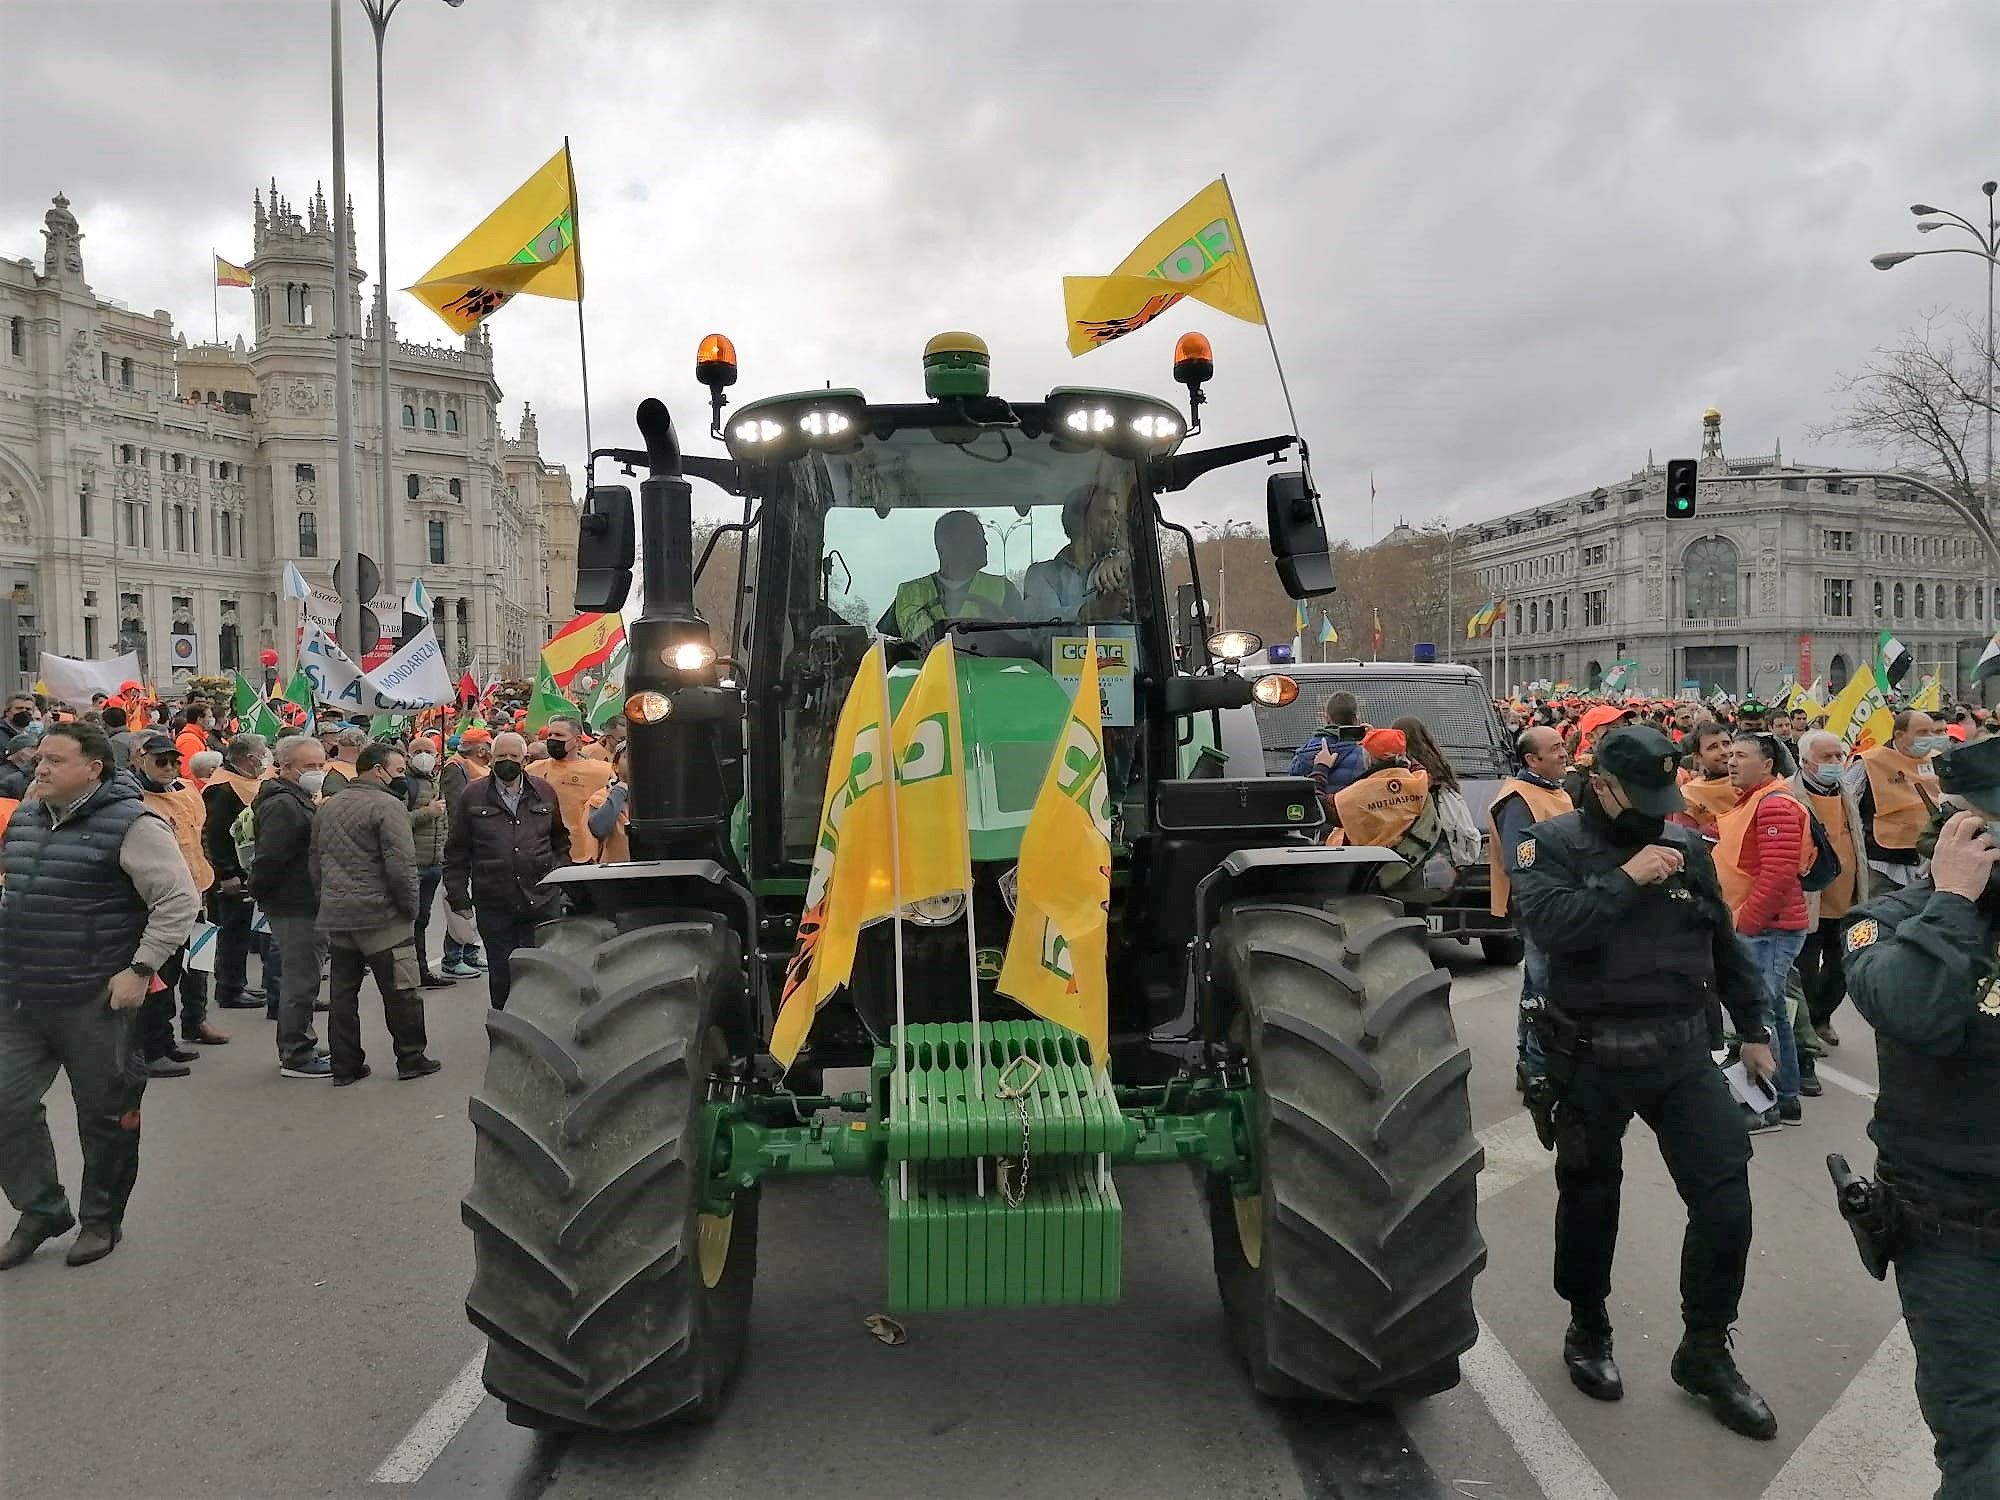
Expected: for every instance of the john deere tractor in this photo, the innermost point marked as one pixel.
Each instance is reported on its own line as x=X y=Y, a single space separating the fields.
x=1275 y=1024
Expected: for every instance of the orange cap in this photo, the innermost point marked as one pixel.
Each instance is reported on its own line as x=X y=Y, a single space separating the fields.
x=1385 y=742
x=476 y=736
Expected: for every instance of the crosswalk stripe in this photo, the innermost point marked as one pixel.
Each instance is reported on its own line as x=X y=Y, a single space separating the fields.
x=1846 y=1081
x=1872 y=1443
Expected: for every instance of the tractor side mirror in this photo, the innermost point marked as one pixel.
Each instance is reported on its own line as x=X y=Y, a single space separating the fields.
x=604 y=545
x=1193 y=695
x=1298 y=535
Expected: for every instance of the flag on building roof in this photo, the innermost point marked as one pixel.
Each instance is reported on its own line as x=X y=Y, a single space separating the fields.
x=526 y=245
x=1896 y=660
x=1197 y=252
x=228 y=273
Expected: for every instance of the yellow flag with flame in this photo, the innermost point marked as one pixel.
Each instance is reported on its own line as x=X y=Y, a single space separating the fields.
x=1198 y=252
x=526 y=245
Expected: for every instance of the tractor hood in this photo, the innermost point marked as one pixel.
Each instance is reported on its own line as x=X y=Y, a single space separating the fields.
x=1012 y=713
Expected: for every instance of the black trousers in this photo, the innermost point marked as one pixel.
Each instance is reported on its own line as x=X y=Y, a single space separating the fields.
x=502 y=931
x=1824 y=975
x=1702 y=1136
x=231 y=913
x=156 y=1011
x=98 y=1047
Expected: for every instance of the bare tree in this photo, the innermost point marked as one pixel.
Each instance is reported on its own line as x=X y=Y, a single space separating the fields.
x=1917 y=403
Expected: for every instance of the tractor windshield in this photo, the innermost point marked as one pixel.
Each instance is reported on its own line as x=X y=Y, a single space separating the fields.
x=1014 y=546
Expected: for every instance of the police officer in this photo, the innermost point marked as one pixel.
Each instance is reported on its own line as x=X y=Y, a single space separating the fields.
x=1639 y=944
x=1921 y=964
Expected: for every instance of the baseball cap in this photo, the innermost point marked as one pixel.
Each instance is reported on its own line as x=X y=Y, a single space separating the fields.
x=1642 y=761
x=1971 y=771
x=476 y=736
x=157 y=744
x=1385 y=742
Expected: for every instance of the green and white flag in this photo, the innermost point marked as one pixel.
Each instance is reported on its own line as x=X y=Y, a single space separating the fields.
x=607 y=700
x=253 y=714
x=1622 y=676
x=1896 y=660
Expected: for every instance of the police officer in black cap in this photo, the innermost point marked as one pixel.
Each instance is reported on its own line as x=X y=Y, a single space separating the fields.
x=1640 y=946
x=1921 y=965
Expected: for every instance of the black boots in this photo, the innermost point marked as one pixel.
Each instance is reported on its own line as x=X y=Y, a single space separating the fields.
x=1587 y=1352
x=1704 y=1367
x=28 y=1237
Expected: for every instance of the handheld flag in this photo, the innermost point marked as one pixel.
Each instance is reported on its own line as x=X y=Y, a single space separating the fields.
x=526 y=245
x=548 y=702
x=1930 y=698
x=1055 y=962
x=850 y=880
x=607 y=701
x=1989 y=660
x=227 y=273
x=587 y=641
x=1852 y=714
x=295 y=583
x=1896 y=660
x=1198 y=252
x=253 y=714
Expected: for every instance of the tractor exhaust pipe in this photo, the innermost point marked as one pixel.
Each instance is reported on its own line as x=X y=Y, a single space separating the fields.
x=666 y=517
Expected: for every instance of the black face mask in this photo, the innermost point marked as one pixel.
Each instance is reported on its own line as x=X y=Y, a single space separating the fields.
x=1629 y=826
x=400 y=785
x=507 y=770
x=558 y=749
x=21 y=719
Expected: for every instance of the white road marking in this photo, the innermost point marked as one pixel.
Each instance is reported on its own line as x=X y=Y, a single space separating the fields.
x=1872 y=1443
x=1513 y=1154
x=436 y=1428
x=1846 y=1081
x=1547 y=1450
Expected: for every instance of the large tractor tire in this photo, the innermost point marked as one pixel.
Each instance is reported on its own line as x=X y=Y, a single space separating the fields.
x=608 y=1300
x=1349 y=1276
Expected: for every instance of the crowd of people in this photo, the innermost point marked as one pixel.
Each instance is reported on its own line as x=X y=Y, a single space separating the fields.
x=149 y=854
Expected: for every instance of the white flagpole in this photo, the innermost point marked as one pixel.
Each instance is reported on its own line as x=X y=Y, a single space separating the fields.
x=971 y=925
x=901 y=1079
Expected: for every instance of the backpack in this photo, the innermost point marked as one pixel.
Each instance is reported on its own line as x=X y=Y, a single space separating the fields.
x=1427 y=873
x=1826 y=859
x=243 y=834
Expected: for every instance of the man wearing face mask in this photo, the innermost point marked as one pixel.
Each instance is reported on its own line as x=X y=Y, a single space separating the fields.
x=1639 y=942
x=1921 y=966
x=1819 y=783
x=472 y=762
x=21 y=712
x=232 y=788
x=1897 y=789
x=281 y=879
x=506 y=834
x=575 y=779
x=427 y=829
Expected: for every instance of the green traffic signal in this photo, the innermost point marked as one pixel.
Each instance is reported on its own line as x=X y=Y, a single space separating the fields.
x=1680 y=488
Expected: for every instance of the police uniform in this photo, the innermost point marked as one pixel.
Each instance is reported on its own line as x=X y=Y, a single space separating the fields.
x=1921 y=966
x=1633 y=971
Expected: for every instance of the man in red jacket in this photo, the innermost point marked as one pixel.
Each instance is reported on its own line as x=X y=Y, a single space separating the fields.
x=1763 y=845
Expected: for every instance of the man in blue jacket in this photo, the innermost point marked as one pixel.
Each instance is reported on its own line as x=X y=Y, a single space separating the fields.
x=1332 y=756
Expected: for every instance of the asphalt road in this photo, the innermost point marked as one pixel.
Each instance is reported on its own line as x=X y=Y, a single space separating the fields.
x=283 y=1319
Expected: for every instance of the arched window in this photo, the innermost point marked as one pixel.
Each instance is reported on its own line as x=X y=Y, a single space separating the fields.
x=17 y=337
x=306 y=305
x=1937 y=602
x=1548 y=614
x=430 y=419
x=1958 y=602
x=450 y=420
x=308 y=534
x=1920 y=601
x=1565 y=624
x=1878 y=601
x=457 y=490
x=409 y=416
x=1708 y=579
x=412 y=485
x=125 y=372
x=1898 y=610
x=295 y=302
x=1534 y=616
x=1836 y=673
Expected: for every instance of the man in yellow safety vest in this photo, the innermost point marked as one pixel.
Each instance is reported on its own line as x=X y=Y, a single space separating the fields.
x=960 y=589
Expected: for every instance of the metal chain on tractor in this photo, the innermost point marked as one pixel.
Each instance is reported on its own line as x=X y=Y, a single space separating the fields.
x=1016 y=1090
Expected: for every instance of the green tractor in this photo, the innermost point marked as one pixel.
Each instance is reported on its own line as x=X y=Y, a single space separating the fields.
x=1275 y=1025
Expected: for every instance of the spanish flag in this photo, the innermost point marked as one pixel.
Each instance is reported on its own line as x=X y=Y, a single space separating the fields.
x=849 y=883
x=228 y=273
x=587 y=641
x=526 y=245
x=1055 y=963
x=1198 y=252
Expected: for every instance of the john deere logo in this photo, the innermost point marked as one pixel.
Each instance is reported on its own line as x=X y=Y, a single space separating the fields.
x=989 y=963
x=1295 y=812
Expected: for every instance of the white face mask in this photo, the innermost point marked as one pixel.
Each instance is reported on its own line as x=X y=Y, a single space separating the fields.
x=423 y=761
x=312 y=781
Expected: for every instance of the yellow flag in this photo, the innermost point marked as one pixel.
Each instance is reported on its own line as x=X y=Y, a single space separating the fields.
x=1198 y=252
x=528 y=244
x=1857 y=712
x=851 y=871
x=1056 y=954
x=930 y=783
x=1929 y=698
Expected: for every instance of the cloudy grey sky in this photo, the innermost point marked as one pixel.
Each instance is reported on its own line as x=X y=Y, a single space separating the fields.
x=1507 y=245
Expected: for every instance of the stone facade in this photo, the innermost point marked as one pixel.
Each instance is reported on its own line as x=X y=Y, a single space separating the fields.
x=1780 y=572
x=152 y=492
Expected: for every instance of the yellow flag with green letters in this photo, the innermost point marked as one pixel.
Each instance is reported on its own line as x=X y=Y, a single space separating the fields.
x=930 y=783
x=1198 y=252
x=1056 y=953
x=850 y=881
x=526 y=245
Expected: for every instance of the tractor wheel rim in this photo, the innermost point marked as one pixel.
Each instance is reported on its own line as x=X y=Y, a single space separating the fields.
x=1250 y=1228
x=712 y=1245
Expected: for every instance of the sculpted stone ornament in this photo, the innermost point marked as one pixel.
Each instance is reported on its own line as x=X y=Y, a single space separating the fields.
x=13 y=515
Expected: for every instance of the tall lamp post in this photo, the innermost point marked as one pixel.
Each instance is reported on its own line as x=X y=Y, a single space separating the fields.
x=379 y=12
x=1988 y=241
x=1223 y=531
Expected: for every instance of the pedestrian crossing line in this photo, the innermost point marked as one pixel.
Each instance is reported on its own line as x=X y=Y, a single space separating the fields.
x=1846 y=1081
x=435 y=1429
x=1872 y=1443
x=1514 y=1153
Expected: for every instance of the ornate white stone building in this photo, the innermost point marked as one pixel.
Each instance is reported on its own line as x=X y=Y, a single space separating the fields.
x=1781 y=571
x=152 y=492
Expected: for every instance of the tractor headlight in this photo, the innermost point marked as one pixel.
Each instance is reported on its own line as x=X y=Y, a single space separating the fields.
x=819 y=423
x=1010 y=889
x=757 y=430
x=937 y=911
x=648 y=708
x=1275 y=691
x=1157 y=426
x=689 y=656
x=1090 y=420
x=1234 y=645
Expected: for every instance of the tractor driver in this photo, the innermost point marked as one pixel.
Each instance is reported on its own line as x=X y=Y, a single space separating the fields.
x=1088 y=579
x=960 y=589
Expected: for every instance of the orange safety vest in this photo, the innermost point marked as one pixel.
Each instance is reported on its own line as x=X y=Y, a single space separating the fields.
x=186 y=813
x=1905 y=795
x=1706 y=800
x=574 y=779
x=617 y=849
x=1838 y=898
x=1378 y=809
x=1730 y=829
x=1544 y=802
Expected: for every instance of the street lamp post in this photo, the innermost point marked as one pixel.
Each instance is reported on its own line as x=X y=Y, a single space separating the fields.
x=343 y=374
x=1988 y=241
x=379 y=12
x=1222 y=532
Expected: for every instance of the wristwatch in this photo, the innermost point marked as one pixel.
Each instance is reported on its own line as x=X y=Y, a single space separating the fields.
x=1756 y=1035
x=144 y=971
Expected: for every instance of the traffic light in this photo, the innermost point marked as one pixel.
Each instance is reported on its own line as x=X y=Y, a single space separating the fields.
x=1680 y=488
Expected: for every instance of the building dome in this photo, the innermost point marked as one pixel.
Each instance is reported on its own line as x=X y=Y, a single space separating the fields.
x=1711 y=418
